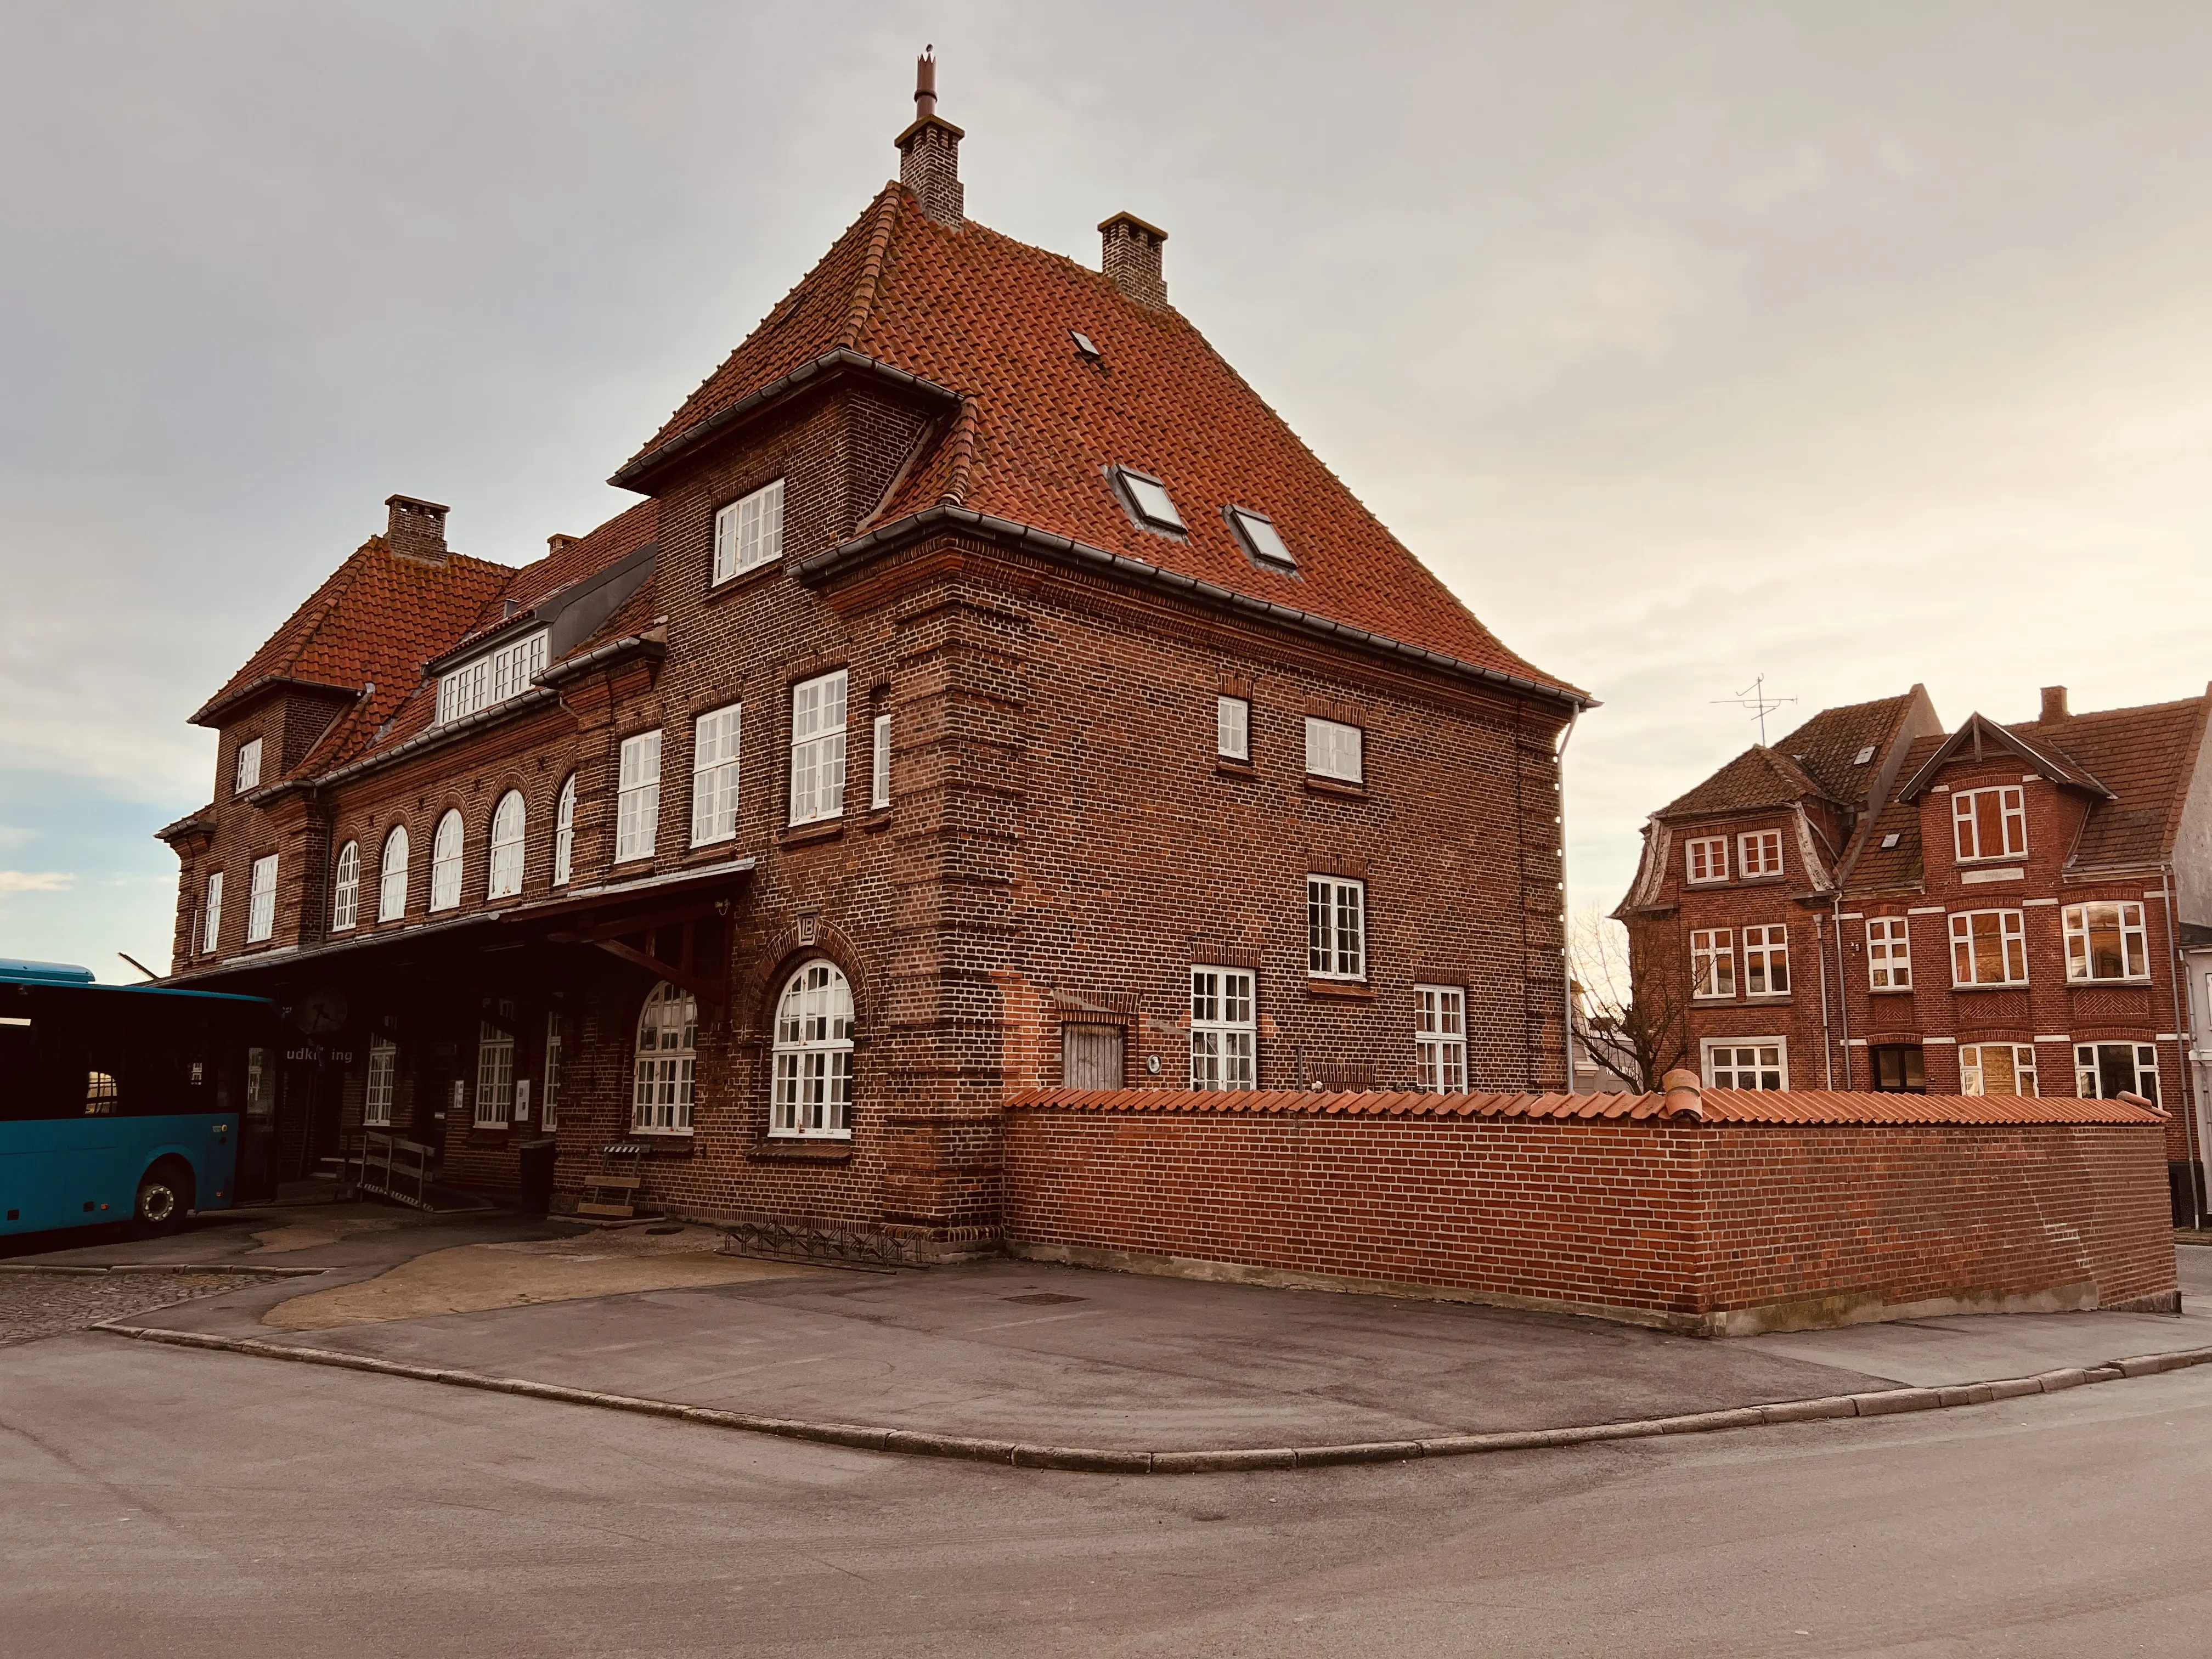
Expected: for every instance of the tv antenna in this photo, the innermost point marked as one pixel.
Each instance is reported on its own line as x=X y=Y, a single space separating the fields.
x=1755 y=697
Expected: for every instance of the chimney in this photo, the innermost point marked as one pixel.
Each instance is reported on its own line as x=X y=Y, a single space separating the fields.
x=929 y=152
x=2054 y=705
x=556 y=541
x=1131 y=257
x=416 y=529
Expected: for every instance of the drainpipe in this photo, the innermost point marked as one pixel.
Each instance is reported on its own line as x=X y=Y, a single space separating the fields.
x=1843 y=985
x=1566 y=916
x=1827 y=1045
x=2186 y=1037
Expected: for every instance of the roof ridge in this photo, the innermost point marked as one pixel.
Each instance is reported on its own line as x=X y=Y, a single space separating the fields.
x=872 y=268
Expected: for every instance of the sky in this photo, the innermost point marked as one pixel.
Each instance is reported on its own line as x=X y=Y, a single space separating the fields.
x=1847 y=345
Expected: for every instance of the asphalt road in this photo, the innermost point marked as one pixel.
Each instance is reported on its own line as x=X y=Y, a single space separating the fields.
x=154 y=1500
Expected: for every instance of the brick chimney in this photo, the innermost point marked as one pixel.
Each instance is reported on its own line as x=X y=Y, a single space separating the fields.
x=929 y=152
x=416 y=529
x=556 y=541
x=1131 y=257
x=2054 y=705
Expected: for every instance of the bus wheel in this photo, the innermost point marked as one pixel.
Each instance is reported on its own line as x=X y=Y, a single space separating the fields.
x=164 y=1195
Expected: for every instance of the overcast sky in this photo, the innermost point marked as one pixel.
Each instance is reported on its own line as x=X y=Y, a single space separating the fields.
x=1850 y=344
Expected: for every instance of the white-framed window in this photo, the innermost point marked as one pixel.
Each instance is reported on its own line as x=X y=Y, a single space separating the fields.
x=1334 y=749
x=818 y=749
x=248 y=772
x=2103 y=1071
x=1990 y=824
x=1232 y=728
x=392 y=875
x=345 y=887
x=1766 y=961
x=1706 y=858
x=556 y=1043
x=1996 y=1068
x=715 y=742
x=2107 y=941
x=1989 y=947
x=445 y=846
x=212 y=939
x=1758 y=853
x=1712 y=962
x=495 y=1076
x=879 y=769
x=1889 y=954
x=1336 y=927
x=1747 y=1062
x=383 y=1077
x=1222 y=1030
x=505 y=879
x=261 y=899
x=564 y=832
x=637 y=797
x=1148 y=500
x=491 y=678
x=814 y=1055
x=1440 y=1038
x=667 y=1055
x=749 y=531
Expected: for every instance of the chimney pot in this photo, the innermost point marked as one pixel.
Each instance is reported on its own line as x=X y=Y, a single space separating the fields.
x=556 y=542
x=1130 y=256
x=2054 y=704
x=929 y=153
x=415 y=530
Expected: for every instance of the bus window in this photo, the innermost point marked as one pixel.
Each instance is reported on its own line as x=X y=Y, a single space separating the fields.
x=100 y=1094
x=260 y=1082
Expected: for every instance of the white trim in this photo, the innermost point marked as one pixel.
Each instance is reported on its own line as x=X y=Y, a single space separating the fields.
x=818 y=711
x=1931 y=1041
x=1336 y=927
x=261 y=898
x=246 y=773
x=1224 y=1030
x=445 y=858
x=390 y=905
x=637 y=797
x=1691 y=847
x=2007 y=873
x=497 y=676
x=1335 y=749
x=717 y=737
x=1440 y=1038
x=662 y=1086
x=509 y=841
x=2012 y=809
x=1719 y=952
x=1749 y=841
x=1778 y=1067
x=749 y=532
x=2052 y=1039
x=879 y=766
x=2026 y=901
x=345 y=889
x=1925 y=910
x=811 y=1095
x=1232 y=727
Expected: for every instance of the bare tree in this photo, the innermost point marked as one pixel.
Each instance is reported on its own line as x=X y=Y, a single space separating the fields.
x=1629 y=1016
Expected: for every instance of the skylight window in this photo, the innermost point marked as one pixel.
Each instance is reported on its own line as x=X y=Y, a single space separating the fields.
x=1891 y=840
x=1863 y=756
x=1149 y=500
x=1260 y=538
x=1083 y=346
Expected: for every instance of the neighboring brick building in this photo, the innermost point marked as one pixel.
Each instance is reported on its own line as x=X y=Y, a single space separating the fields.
x=990 y=692
x=1872 y=903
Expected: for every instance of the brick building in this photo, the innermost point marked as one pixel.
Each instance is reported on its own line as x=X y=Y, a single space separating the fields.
x=989 y=692
x=1872 y=903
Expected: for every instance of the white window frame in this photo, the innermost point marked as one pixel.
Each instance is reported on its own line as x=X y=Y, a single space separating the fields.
x=564 y=832
x=556 y=1043
x=1440 y=1038
x=1769 y=1064
x=666 y=1061
x=345 y=889
x=813 y=1097
x=637 y=797
x=1232 y=728
x=1705 y=859
x=494 y=1100
x=246 y=774
x=749 y=532
x=382 y=1082
x=1225 y=1029
x=717 y=738
x=449 y=844
x=1712 y=964
x=818 y=714
x=261 y=899
x=1889 y=953
x=1336 y=927
x=392 y=875
x=1759 y=854
x=2012 y=942
x=2089 y=1075
x=1767 y=961
x=2127 y=920
x=212 y=939
x=1965 y=823
x=496 y=678
x=879 y=768
x=1335 y=749
x=503 y=869
x=1974 y=1067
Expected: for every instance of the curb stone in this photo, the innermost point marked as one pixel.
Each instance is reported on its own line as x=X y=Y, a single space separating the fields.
x=233 y=1267
x=1092 y=1460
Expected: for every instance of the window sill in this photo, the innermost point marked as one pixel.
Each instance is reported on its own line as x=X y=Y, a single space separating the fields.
x=1335 y=786
x=799 y=835
x=2009 y=984
x=2142 y=984
x=878 y=817
x=1229 y=768
x=699 y=850
x=719 y=591
x=1889 y=990
x=1766 y=998
x=801 y=1149
x=1352 y=990
x=667 y=1137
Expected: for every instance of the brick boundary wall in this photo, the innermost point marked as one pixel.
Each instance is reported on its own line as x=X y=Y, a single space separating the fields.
x=1699 y=1224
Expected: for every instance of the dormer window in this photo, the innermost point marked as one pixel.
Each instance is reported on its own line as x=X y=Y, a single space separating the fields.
x=248 y=772
x=490 y=679
x=1990 y=824
x=749 y=531
x=1149 y=501
x=1759 y=854
x=1707 y=857
x=1262 y=542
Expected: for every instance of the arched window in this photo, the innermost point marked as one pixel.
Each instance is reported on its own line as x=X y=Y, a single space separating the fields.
x=392 y=877
x=345 y=887
x=564 y=832
x=445 y=863
x=506 y=846
x=814 y=1055
x=667 y=1051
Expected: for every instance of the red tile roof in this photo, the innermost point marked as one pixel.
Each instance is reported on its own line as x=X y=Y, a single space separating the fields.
x=990 y=318
x=2147 y=756
x=1820 y=757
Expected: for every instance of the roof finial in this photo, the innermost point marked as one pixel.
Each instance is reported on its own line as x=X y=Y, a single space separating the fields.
x=924 y=84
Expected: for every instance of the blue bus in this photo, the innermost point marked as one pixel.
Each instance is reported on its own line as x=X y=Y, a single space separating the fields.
x=124 y=1104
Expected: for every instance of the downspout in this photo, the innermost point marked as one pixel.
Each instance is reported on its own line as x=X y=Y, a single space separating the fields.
x=2185 y=1039
x=1566 y=916
x=1843 y=989
x=1828 y=1044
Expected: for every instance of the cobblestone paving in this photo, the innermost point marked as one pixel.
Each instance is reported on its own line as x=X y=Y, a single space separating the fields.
x=35 y=1305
